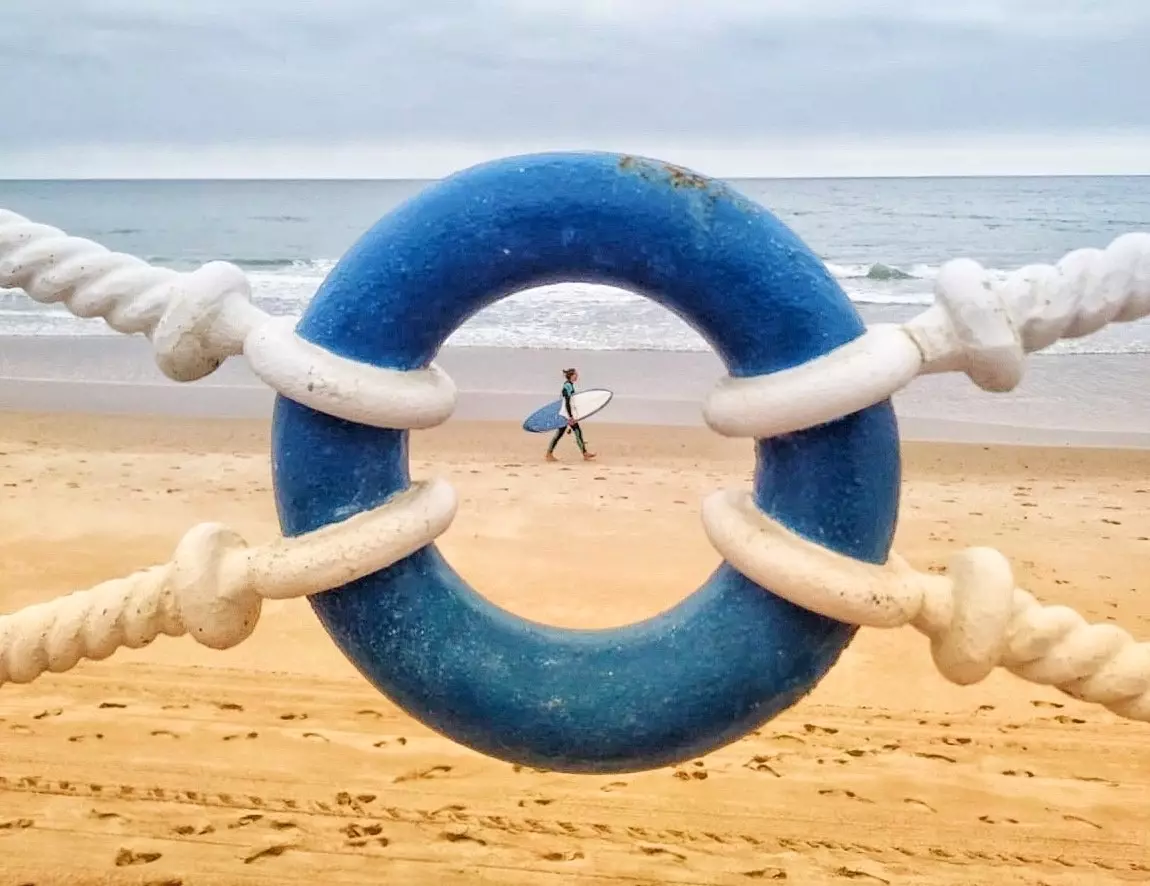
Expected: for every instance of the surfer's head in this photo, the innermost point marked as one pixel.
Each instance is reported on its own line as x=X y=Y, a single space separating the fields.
x=571 y=374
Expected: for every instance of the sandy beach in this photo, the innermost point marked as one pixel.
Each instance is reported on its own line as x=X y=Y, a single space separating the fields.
x=277 y=763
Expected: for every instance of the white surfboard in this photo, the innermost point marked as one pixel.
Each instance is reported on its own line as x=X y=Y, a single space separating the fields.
x=586 y=403
x=553 y=416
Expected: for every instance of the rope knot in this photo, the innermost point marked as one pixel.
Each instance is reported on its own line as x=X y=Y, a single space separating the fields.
x=199 y=330
x=985 y=327
x=973 y=638
x=211 y=586
x=989 y=344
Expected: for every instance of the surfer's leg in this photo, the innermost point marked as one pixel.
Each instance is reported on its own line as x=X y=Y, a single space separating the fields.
x=555 y=442
x=579 y=440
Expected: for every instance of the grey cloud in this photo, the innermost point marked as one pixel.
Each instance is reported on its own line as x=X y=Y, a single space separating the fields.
x=212 y=71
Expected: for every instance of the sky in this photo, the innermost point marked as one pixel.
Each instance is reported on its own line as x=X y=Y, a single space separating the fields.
x=419 y=88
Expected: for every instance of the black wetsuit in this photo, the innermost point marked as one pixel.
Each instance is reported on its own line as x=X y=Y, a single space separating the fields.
x=568 y=391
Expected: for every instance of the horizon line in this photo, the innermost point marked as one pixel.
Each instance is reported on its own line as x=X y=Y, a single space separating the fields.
x=388 y=178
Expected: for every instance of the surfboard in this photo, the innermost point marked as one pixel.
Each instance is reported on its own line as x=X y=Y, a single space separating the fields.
x=553 y=416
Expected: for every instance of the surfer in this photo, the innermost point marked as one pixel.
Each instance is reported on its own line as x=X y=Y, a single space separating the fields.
x=570 y=377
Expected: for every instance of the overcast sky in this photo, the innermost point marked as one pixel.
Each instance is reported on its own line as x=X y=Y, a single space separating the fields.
x=420 y=87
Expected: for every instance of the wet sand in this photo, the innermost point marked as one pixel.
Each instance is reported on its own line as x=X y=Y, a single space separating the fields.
x=276 y=763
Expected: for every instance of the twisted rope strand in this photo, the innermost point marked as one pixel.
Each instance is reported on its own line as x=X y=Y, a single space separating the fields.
x=985 y=327
x=975 y=617
x=214 y=585
x=977 y=325
x=195 y=320
x=54 y=636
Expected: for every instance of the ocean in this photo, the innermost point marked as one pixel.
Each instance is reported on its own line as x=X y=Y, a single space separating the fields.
x=884 y=239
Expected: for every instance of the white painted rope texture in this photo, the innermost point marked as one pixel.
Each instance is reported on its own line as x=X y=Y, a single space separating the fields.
x=975 y=617
x=976 y=325
x=214 y=586
x=197 y=320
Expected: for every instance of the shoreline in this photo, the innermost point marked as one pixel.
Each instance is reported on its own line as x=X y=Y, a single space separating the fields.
x=1064 y=401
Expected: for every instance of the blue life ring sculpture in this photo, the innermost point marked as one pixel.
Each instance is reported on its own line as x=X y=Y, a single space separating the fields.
x=670 y=688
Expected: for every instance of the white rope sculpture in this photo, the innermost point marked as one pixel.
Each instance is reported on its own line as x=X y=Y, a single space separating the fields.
x=213 y=587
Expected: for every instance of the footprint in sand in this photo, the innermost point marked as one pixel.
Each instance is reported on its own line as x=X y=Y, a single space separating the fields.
x=547 y=801
x=561 y=856
x=247 y=736
x=940 y=757
x=761 y=763
x=1094 y=779
x=127 y=857
x=697 y=775
x=187 y=830
x=356 y=831
x=459 y=834
x=365 y=841
x=1080 y=820
x=273 y=851
x=659 y=850
x=421 y=774
x=850 y=795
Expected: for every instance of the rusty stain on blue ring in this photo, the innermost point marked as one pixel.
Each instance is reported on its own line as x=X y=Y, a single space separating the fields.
x=667 y=689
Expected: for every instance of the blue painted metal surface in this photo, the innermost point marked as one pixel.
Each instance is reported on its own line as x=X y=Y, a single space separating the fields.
x=731 y=655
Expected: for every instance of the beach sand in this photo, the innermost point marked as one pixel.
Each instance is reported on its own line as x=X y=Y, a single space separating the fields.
x=276 y=763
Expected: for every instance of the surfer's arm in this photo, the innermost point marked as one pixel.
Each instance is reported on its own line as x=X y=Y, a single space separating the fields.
x=567 y=402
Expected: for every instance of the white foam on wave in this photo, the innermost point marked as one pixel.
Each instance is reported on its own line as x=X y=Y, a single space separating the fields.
x=575 y=315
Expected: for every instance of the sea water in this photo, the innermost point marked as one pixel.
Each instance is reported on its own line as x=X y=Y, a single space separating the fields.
x=883 y=239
